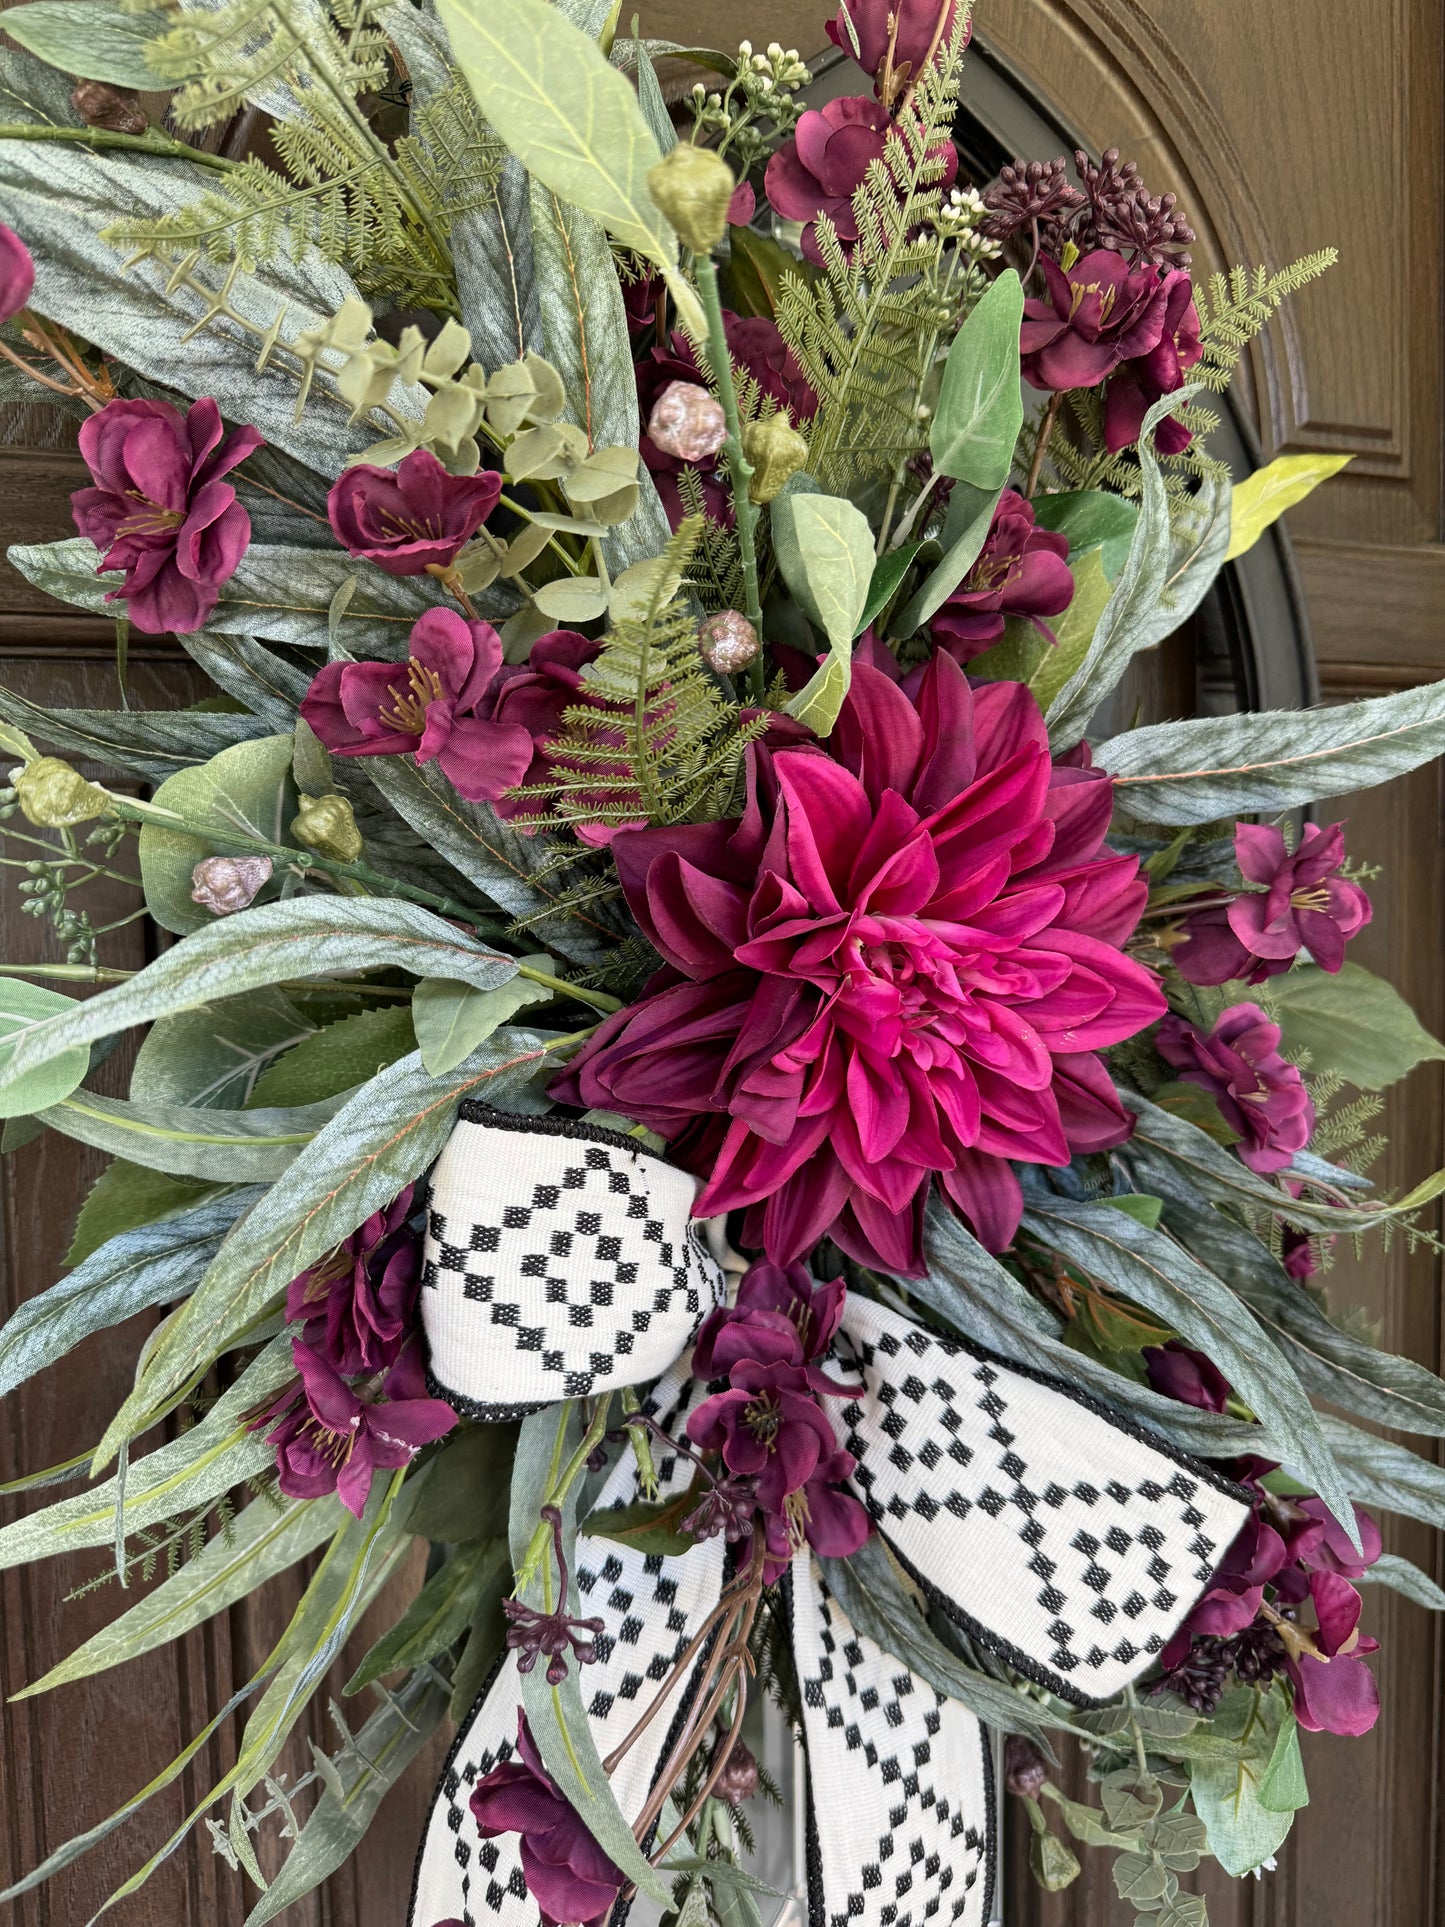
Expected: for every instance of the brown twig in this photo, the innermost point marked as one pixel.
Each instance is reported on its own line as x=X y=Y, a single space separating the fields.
x=1046 y=429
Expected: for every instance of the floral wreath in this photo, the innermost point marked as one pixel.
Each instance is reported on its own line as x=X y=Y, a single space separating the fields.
x=685 y=1079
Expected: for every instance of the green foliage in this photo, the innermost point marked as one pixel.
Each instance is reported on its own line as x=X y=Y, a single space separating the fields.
x=124 y=1197
x=980 y=407
x=92 y=39
x=338 y=1058
x=442 y=1611
x=1234 y=308
x=23 y=1007
x=1351 y=1023
x=824 y=549
x=246 y=789
x=452 y=1019
x=1229 y=1786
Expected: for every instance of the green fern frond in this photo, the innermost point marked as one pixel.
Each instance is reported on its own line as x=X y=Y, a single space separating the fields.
x=1234 y=307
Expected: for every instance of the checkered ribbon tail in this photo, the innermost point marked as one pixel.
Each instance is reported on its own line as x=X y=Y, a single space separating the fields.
x=560 y=1261
x=652 y=1607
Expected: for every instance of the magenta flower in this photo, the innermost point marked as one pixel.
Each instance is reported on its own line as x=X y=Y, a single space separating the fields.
x=359 y=1303
x=332 y=1439
x=17 y=273
x=894 y=38
x=1021 y=571
x=820 y=169
x=568 y=1875
x=1099 y=312
x=813 y=1309
x=412 y=518
x=1141 y=381
x=532 y=696
x=1260 y=1096
x=821 y=1513
x=159 y=509
x=1188 y=1376
x=1303 y=903
x=900 y=963
x=438 y=704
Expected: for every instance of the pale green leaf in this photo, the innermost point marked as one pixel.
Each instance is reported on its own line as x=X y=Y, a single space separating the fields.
x=223 y=1147
x=1402 y=1577
x=965 y=530
x=24 y=1007
x=824 y=548
x=247 y=791
x=1378 y=1472
x=980 y=404
x=214 y=1055
x=1243 y=1832
x=338 y=1058
x=1261 y=498
x=150 y=743
x=451 y=1019
x=1353 y=1024
x=90 y=39
x=1283 y=1788
x=123 y=1198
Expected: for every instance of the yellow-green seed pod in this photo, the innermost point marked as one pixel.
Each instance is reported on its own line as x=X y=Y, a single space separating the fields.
x=693 y=187
x=775 y=451
x=54 y=796
x=326 y=824
x=1051 y=1862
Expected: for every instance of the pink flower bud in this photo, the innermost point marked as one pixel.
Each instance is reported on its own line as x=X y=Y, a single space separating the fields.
x=225 y=884
x=687 y=422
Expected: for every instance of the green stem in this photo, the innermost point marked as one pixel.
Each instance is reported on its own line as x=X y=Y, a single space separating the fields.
x=104 y=137
x=739 y=468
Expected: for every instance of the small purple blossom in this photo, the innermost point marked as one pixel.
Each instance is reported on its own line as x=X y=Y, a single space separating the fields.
x=359 y=1302
x=411 y=519
x=551 y=1635
x=569 y=1877
x=1261 y=1097
x=1301 y=902
x=1022 y=570
x=727 y=1508
x=1099 y=313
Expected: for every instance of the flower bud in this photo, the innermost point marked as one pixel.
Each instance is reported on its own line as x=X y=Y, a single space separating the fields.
x=116 y=108
x=225 y=884
x=687 y=422
x=54 y=796
x=692 y=186
x=738 y=1780
x=326 y=824
x=775 y=450
x=727 y=642
x=1024 y=1767
x=1052 y=1863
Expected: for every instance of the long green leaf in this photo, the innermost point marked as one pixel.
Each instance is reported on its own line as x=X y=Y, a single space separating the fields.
x=441 y=1612
x=143 y=742
x=1352 y=1023
x=824 y=548
x=1379 y=1472
x=965 y=530
x=1402 y=1577
x=225 y=1147
x=980 y=405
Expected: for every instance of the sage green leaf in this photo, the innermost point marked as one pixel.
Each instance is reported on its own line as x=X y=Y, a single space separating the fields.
x=187 y=1473
x=1171 y=564
x=270 y=943
x=1378 y=1472
x=824 y=548
x=1197 y=772
x=126 y=1196
x=868 y=1587
x=149 y=743
x=364 y=1771
x=1140 y=1878
x=1402 y=1577
x=479 y=1656
x=247 y=791
x=131 y=1271
x=1243 y=1832
x=383 y=1138
x=980 y=404
x=649 y=96
x=1155 y=1272
x=557 y=1715
x=223 y=1147
x=1184 y=1910
x=1352 y=1023
x=338 y=1058
x=888 y=572
x=264 y=1539
x=462 y=1492
x=965 y=530
x=441 y=1612
x=451 y=1019
x=1092 y=518
x=1283 y=1788
x=213 y=1056
x=573 y=598
x=1074 y=630
x=24 y=1007
x=757 y=266
x=91 y=39
x=247 y=670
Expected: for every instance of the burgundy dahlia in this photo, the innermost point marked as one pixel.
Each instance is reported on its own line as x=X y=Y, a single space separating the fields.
x=1260 y=1096
x=899 y=964
x=412 y=518
x=17 y=273
x=571 y=1879
x=1099 y=312
x=1022 y=570
x=1138 y=383
x=820 y=169
x=1302 y=903
x=892 y=39
x=160 y=510
x=358 y=1303
x=437 y=704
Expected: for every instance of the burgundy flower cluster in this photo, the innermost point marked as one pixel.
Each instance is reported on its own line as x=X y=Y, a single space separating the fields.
x=1291 y=1553
x=1300 y=901
x=767 y=1424
x=1022 y=570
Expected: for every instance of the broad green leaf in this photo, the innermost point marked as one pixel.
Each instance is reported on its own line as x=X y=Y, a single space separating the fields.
x=1283 y=1788
x=130 y=1272
x=1140 y=1878
x=1160 y=1275
x=755 y=271
x=1074 y=630
x=246 y=790
x=1222 y=766
x=24 y=1006
x=451 y=1019
x=441 y=1612
x=571 y=119
x=1243 y=1832
x=1184 y=1910
x=647 y=1528
x=1092 y=519
x=1400 y=1576
x=1143 y=1210
x=1352 y=1023
x=888 y=571
x=1173 y=558
x=123 y=1198
x=383 y=1138
x=91 y=39
x=263 y=1540
x=980 y=404
x=1261 y=498
x=223 y=1147
x=965 y=530
x=270 y=943
x=461 y=1493
x=824 y=548
x=338 y=1057
x=213 y=1056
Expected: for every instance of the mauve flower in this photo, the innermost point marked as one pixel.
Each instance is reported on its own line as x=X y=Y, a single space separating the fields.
x=159 y=509
x=1186 y=1375
x=819 y=170
x=438 y=704
x=1144 y=379
x=899 y=963
x=767 y=1425
x=358 y=1303
x=821 y=1514
x=813 y=1309
x=1303 y=904
x=1336 y=1695
x=412 y=518
x=1021 y=571
x=1260 y=1096
x=17 y=273
x=1099 y=312
x=912 y=26
x=333 y=1440
x=532 y=696
x=567 y=1874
